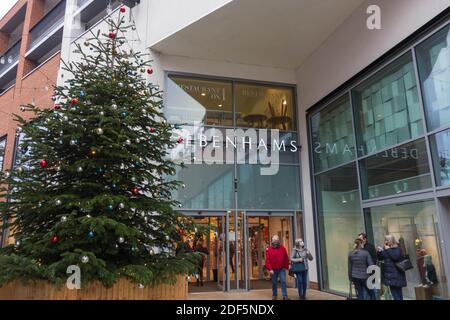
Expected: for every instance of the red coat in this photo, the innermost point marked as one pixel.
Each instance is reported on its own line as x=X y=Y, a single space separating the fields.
x=277 y=258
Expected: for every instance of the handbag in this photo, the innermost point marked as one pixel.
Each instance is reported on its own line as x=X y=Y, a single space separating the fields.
x=350 y=292
x=404 y=265
x=298 y=266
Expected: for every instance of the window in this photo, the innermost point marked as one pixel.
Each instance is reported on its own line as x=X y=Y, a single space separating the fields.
x=340 y=221
x=440 y=147
x=259 y=106
x=398 y=170
x=279 y=191
x=2 y=152
x=414 y=225
x=332 y=135
x=387 y=108
x=433 y=57
x=205 y=102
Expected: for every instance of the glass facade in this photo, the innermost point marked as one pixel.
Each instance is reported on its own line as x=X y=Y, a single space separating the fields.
x=397 y=170
x=332 y=135
x=440 y=147
x=371 y=190
x=340 y=220
x=233 y=172
x=433 y=57
x=387 y=108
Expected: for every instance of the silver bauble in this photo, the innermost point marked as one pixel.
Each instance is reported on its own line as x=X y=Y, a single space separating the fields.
x=128 y=142
x=58 y=202
x=73 y=142
x=64 y=219
x=99 y=131
x=85 y=259
x=121 y=240
x=80 y=169
x=121 y=206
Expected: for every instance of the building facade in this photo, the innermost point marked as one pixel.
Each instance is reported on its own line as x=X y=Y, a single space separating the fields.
x=358 y=115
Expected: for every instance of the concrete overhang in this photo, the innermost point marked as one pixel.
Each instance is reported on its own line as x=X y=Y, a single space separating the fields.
x=281 y=33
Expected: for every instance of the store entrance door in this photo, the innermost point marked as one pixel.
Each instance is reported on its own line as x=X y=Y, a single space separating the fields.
x=209 y=239
x=260 y=229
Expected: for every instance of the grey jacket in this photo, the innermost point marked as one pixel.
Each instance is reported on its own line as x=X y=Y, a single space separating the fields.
x=301 y=255
x=358 y=262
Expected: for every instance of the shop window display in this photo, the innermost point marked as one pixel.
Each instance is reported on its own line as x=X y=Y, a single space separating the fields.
x=414 y=225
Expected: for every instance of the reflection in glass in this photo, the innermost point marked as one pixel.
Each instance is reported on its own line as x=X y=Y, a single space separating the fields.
x=199 y=101
x=433 y=57
x=332 y=135
x=279 y=191
x=2 y=152
x=387 y=109
x=440 y=148
x=397 y=170
x=340 y=221
x=259 y=106
x=207 y=187
x=414 y=226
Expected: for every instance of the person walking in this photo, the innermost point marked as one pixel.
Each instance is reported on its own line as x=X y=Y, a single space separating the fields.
x=277 y=262
x=373 y=293
x=393 y=276
x=358 y=262
x=299 y=258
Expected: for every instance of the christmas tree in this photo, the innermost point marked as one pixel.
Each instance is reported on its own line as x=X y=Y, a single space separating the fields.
x=89 y=188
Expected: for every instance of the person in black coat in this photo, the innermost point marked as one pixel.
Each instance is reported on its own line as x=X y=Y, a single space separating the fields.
x=393 y=277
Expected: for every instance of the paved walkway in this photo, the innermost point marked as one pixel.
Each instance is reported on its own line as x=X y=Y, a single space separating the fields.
x=260 y=295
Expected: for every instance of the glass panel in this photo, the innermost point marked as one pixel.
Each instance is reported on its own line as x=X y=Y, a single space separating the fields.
x=332 y=135
x=440 y=148
x=259 y=106
x=387 y=109
x=199 y=101
x=279 y=191
x=207 y=186
x=433 y=57
x=414 y=225
x=340 y=221
x=397 y=170
x=2 y=152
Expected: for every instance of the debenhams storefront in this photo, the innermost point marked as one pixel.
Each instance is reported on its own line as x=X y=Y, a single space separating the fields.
x=379 y=155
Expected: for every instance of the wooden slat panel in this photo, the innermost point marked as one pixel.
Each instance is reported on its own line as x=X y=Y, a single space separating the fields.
x=122 y=290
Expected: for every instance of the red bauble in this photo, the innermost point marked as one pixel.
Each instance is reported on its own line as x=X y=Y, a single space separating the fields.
x=150 y=71
x=152 y=130
x=135 y=191
x=180 y=140
x=54 y=239
x=43 y=164
x=57 y=107
x=123 y=10
x=74 y=101
x=112 y=35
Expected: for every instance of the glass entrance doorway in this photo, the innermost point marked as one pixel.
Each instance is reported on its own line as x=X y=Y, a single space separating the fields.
x=234 y=245
x=260 y=230
x=210 y=240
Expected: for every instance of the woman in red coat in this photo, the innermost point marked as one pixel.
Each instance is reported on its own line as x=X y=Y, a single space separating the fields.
x=277 y=262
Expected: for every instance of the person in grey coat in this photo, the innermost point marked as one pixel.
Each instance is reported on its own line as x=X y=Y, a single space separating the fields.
x=299 y=264
x=358 y=262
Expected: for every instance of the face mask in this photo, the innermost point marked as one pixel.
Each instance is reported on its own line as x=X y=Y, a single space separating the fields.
x=275 y=243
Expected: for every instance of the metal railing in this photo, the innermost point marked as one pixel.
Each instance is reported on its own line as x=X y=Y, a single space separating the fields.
x=53 y=20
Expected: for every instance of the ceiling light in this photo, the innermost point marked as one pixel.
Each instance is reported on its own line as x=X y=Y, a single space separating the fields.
x=203 y=94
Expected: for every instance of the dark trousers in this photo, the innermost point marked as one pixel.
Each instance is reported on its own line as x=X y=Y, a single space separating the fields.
x=397 y=293
x=361 y=289
x=302 y=283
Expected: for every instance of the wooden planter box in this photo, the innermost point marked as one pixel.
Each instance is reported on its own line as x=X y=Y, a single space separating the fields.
x=122 y=290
